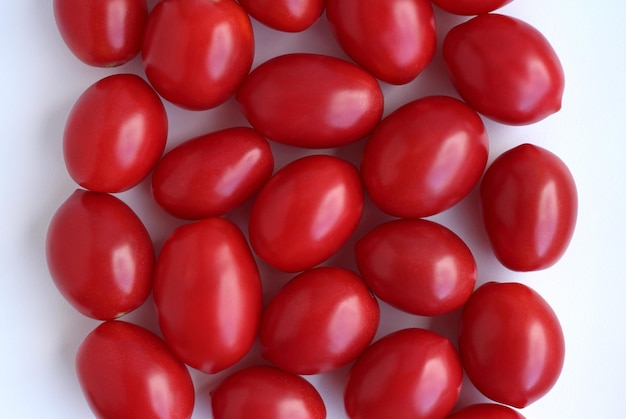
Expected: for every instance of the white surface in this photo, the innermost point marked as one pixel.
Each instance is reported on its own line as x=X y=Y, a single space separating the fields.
x=587 y=288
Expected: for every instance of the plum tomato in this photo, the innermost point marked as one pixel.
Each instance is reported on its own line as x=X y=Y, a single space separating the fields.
x=511 y=343
x=285 y=15
x=306 y=212
x=486 y=411
x=196 y=53
x=470 y=7
x=504 y=68
x=418 y=266
x=100 y=255
x=392 y=39
x=529 y=207
x=319 y=321
x=311 y=100
x=264 y=392
x=207 y=292
x=212 y=174
x=410 y=373
x=126 y=371
x=102 y=33
x=114 y=134
x=425 y=157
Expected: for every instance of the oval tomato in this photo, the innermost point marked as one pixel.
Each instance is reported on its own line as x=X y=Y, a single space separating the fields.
x=418 y=266
x=263 y=392
x=320 y=320
x=529 y=207
x=470 y=7
x=125 y=371
x=197 y=52
x=102 y=33
x=114 y=134
x=212 y=174
x=285 y=15
x=207 y=291
x=306 y=212
x=511 y=343
x=424 y=157
x=310 y=100
x=411 y=373
x=392 y=39
x=486 y=411
x=504 y=68
x=100 y=255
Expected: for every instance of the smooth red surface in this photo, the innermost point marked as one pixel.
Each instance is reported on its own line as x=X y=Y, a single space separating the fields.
x=102 y=33
x=424 y=157
x=486 y=411
x=470 y=7
x=311 y=100
x=511 y=343
x=125 y=371
x=418 y=266
x=207 y=292
x=392 y=39
x=504 y=68
x=285 y=15
x=100 y=255
x=197 y=52
x=264 y=392
x=408 y=374
x=529 y=206
x=306 y=212
x=114 y=134
x=212 y=174
x=319 y=321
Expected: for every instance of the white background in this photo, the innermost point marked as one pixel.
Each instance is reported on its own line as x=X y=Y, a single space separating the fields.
x=40 y=81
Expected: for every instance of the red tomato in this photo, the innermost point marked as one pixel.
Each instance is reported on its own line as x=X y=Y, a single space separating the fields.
x=529 y=207
x=320 y=320
x=99 y=255
x=392 y=39
x=418 y=266
x=102 y=33
x=114 y=134
x=411 y=373
x=197 y=52
x=486 y=411
x=310 y=100
x=511 y=343
x=470 y=7
x=504 y=68
x=285 y=15
x=263 y=392
x=125 y=371
x=208 y=296
x=212 y=174
x=425 y=157
x=306 y=212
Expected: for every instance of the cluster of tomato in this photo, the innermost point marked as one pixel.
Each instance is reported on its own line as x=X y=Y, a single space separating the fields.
x=418 y=161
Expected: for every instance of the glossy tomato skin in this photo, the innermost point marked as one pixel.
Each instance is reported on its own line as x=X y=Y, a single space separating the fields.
x=100 y=255
x=207 y=293
x=529 y=207
x=126 y=371
x=114 y=134
x=212 y=174
x=197 y=52
x=511 y=343
x=311 y=100
x=418 y=266
x=470 y=7
x=319 y=321
x=424 y=157
x=505 y=69
x=285 y=15
x=392 y=39
x=306 y=212
x=265 y=392
x=486 y=411
x=410 y=373
x=102 y=33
